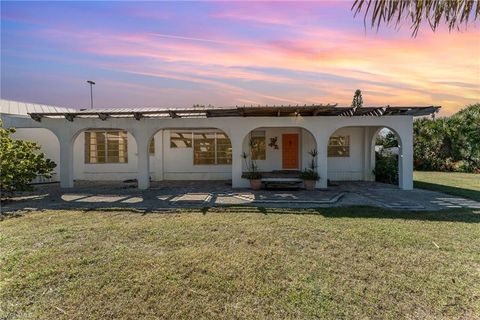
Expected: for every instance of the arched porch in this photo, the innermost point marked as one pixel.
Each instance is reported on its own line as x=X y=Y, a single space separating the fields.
x=236 y=123
x=277 y=151
x=351 y=154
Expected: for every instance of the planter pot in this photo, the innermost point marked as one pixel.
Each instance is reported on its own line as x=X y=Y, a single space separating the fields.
x=256 y=184
x=310 y=184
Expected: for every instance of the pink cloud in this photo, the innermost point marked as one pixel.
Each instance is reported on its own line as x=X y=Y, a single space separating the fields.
x=411 y=69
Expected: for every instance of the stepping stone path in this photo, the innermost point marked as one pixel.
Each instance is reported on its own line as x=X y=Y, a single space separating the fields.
x=453 y=202
x=200 y=194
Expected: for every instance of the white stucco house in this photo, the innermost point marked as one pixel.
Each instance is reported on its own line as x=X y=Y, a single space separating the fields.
x=206 y=143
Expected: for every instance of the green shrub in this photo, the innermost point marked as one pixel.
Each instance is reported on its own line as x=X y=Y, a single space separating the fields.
x=449 y=143
x=20 y=163
x=309 y=174
x=386 y=168
x=252 y=173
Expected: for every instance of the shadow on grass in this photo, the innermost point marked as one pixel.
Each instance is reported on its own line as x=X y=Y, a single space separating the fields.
x=365 y=212
x=454 y=191
x=358 y=212
x=466 y=215
x=17 y=213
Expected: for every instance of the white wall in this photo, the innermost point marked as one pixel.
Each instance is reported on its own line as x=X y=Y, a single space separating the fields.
x=178 y=163
x=273 y=159
x=349 y=168
x=48 y=143
x=168 y=164
x=236 y=127
x=106 y=171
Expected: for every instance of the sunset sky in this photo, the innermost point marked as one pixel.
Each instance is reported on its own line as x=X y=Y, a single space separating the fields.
x=176 y=54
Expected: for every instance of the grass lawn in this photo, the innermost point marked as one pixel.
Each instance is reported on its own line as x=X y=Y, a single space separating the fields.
x=455 y=183
x=249 y=263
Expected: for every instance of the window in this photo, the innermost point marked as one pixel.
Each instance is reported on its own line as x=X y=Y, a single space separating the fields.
x=211 y=148
x=204 y=148
x=339 y=146
x=106 y=147
x=151 y=146
x=224 y=149
x=257 y=145
x=180 y=139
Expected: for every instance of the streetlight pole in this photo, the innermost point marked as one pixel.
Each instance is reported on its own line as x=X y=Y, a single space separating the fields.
x=91 y=92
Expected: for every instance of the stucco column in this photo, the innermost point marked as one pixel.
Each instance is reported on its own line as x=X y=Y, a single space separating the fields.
x=369 y=153
x=237 y=161
x=143 y=160
x=322 y=159
x=405 y=160
x=66 y=161
x=159 y=152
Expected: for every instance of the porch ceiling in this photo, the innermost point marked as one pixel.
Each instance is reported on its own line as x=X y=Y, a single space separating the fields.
x=322 y=110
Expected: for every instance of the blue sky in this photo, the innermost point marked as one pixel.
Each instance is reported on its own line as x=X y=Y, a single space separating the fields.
x=184 y=53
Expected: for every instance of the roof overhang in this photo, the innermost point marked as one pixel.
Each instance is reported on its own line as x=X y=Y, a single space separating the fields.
x=319 y=110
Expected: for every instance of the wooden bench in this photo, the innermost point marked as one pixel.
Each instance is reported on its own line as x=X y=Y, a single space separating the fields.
x=282 y=182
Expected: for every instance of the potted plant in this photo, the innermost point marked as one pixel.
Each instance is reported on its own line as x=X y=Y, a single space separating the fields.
x=310 y=178
x=310 y=175
x=252 y=174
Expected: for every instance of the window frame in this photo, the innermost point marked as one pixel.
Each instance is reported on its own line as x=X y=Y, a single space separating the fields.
x=227 y=155
x=212 y=143
x=262 y=135
x=338 y=146
x=122 y=140
x=215 y=148
x=173 y=146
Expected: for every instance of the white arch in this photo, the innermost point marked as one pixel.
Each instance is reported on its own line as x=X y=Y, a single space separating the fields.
x=400 y=164
x=405 y=161
x=236 y=128
x=161 y=159
x=312 y=136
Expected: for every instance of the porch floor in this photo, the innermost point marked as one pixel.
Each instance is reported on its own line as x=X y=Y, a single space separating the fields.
x=167 y=195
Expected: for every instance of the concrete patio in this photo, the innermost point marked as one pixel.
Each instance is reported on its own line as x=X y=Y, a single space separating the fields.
x=169 y=195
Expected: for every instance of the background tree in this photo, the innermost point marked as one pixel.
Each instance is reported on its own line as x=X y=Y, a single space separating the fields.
x=357 y=101
x=386 y=162
x=387 y=139
x=453 y=13
x=443 y=144
x=386 y=168
x=20 y=163
x=450 y=143
x=465 y=138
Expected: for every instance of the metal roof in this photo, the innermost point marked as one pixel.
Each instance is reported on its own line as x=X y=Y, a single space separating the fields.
x=38 y=111
x=24 y=108
x=325 y=110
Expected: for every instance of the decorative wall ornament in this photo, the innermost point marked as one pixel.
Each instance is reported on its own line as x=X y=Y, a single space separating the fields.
x=273 y=143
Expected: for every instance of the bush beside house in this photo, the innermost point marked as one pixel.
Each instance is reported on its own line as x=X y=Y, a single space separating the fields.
x=443 y=144
x=448 y=143
x=310 y=175
x=386 y=167
x=20 y=163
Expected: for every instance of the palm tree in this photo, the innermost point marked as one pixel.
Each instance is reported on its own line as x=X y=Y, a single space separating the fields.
x=453 y=13
x=357 y=101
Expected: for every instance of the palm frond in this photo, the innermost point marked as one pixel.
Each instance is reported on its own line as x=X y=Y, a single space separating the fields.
x=453 y=13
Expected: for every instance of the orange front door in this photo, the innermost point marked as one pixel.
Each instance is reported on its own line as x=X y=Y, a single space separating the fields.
x=290 y=150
